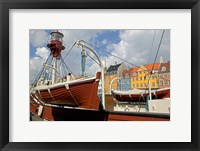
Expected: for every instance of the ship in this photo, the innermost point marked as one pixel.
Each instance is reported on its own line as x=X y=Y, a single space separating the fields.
x=53 y=87
x=137 y=95
x=56 y=95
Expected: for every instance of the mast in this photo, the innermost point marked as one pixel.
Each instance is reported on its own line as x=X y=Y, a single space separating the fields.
x=150 y=97
x=83 y=60
x=54 y=70
x=56 y=46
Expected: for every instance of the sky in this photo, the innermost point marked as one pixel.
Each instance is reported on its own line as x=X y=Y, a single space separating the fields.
x=137 y=47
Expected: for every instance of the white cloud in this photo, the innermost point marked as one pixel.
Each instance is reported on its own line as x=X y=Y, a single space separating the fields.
x=42 y=52
x=35 y=67
x=104 y=42
x=38 y=38
x=36 y=62
x=73 y=60
x=135 y=47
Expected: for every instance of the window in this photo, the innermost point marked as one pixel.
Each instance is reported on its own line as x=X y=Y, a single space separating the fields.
x=137 y=79
x=145 y=84
x=141 y=85
x=137 y=85
x=163 y=68
x=161 y=82
x=153 y=84
x=141 y=78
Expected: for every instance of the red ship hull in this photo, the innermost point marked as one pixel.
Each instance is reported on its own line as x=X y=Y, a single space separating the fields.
x=81 y=94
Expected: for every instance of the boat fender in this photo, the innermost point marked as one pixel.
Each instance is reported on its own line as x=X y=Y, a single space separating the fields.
x=40 y=109
x=67 y=86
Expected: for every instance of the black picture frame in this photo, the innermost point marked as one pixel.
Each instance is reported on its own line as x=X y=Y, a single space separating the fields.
x=5 y=5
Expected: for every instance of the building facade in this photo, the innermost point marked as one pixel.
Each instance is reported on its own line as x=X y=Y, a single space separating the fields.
x=164 y=75
x=140 y=76
x=125 y=80
x=113 y=73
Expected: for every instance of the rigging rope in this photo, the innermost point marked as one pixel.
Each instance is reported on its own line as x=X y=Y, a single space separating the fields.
x=113 y=55
x=69 y=51
x=66 y=65
x=41 y=71
x=93 y=59
x=151 y=72
x=152 y=46
x=158 y=49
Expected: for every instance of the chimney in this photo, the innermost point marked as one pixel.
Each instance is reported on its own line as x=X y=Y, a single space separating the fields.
x=161 y=59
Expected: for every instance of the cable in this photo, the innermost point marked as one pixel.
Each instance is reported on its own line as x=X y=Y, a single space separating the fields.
x=152 y=46
x=65 y=64
x=158 y=49
x=155 y=59
x=113 y=55
x=41 y=71
x=69 y=51
x=93 y=59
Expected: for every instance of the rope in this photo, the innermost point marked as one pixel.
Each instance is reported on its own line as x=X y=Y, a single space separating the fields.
x=113 y=55
x=152 y=46
x=155 y=59
x=68 y=52
x=51 y=95
x=93 y=59
x=41 y=71
x=73 y=97
x=158 y=49
x=65 y=65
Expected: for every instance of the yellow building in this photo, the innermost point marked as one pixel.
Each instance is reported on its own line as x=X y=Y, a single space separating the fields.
x=112 y=72
x=140 y=75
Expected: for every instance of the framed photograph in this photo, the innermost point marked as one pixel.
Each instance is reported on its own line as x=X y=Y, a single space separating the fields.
x=99 y=75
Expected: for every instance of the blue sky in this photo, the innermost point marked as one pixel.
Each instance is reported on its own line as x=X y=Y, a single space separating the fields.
x=111 y=36
x=135 y=46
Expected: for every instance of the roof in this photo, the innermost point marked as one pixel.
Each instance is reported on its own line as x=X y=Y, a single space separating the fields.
x=135 y=69
x=113 y=68
x=154 y=66
x=144 y=67
x=124 y=72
